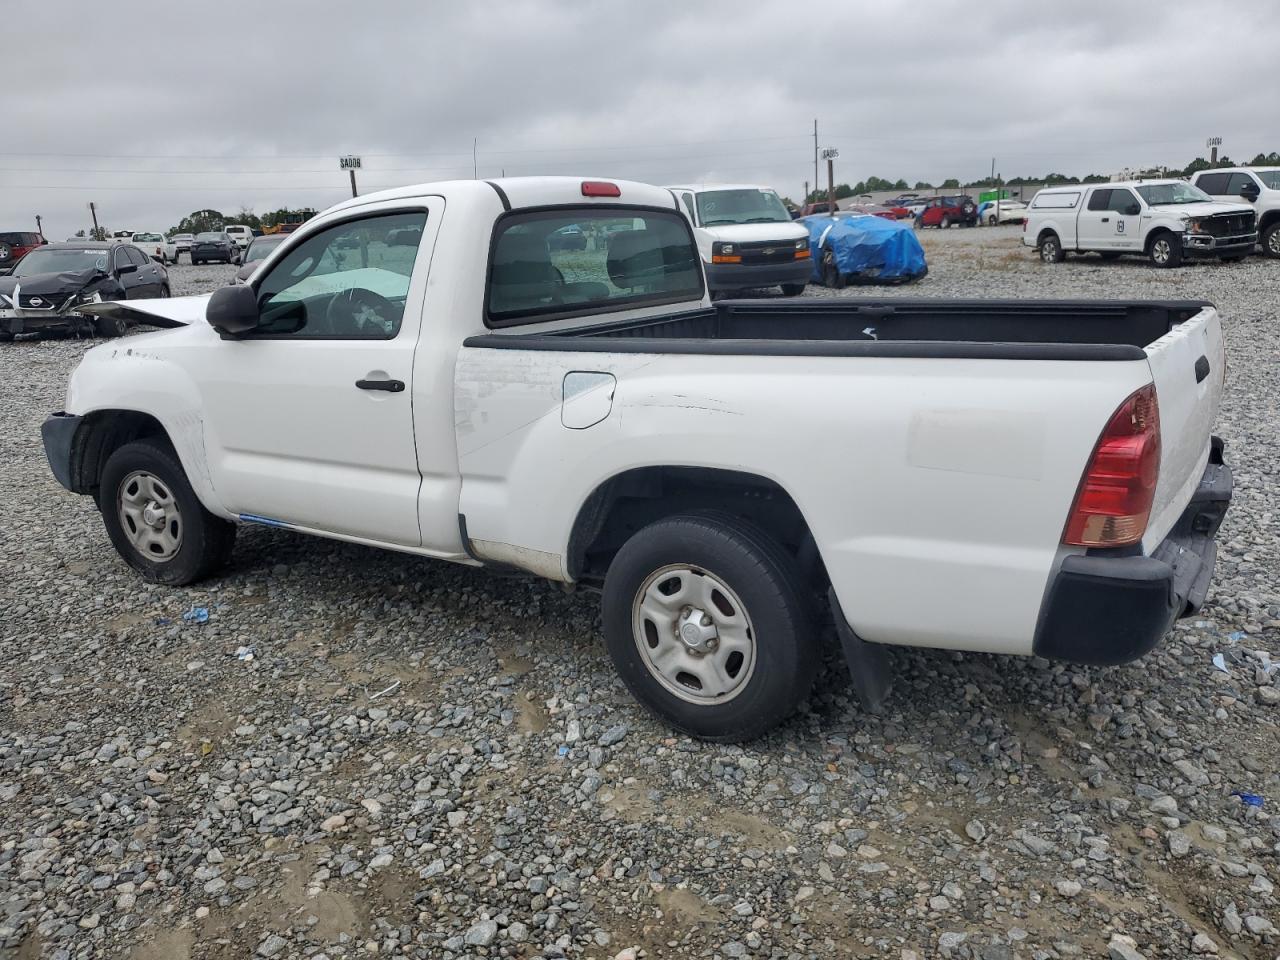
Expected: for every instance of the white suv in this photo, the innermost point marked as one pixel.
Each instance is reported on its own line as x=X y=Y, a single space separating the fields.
x=1259 y=186
x=242 y=235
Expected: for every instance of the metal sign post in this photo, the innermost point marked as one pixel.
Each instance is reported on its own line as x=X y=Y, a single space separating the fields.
x=1213 y=143
x=351 y=165
x=831 y=154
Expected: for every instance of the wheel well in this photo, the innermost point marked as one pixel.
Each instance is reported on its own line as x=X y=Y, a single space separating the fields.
x=100 y=434
x=1047 y=232
x=1154 y=235
x=624 y=504
x=1268 y=218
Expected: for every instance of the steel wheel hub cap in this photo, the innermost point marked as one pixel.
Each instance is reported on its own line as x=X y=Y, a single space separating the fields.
x=149 y=516
x=694 y=635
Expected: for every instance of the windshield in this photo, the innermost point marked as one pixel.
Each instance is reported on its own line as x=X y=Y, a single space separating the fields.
x=1270 y=178
x=62 y=260
x=209 y=236
x=258 y=250
x=1166 y=194
x=740 y=206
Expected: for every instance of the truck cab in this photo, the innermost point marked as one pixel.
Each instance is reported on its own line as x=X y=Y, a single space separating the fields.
x=1257 y=186
x=746 y=238
x=1165 y=220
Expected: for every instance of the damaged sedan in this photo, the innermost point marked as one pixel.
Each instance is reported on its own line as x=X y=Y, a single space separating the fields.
x=45 y=291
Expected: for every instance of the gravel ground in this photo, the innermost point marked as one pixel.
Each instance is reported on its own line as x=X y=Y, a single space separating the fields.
x=429 y=761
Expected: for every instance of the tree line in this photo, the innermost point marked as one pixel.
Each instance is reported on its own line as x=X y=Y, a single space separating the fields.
x=879 y=184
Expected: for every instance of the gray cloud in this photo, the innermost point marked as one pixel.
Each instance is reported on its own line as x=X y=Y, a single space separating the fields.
x=153 y=110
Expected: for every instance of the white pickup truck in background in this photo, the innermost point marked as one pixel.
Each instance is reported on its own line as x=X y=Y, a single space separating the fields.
x=1257 y=186
x=1164 y=220
x=435 y=370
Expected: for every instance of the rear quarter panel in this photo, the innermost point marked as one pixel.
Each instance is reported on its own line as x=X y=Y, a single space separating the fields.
x=936 y=490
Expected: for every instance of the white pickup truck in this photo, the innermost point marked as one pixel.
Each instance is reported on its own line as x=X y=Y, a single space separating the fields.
x=1164 y=220
x=1257 y=186
x=430 y=370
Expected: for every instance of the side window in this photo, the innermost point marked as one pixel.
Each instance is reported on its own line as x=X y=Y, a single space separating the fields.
x=687 y=199
x=555 y=263
x=137 y=256
x=1121 y=201
x=1100 y=199
x=1214 y=184
x=348 y=281
x=1236 y=183
x=120 y=258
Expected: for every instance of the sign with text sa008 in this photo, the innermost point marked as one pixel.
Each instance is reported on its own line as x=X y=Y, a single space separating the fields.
x=348 y=163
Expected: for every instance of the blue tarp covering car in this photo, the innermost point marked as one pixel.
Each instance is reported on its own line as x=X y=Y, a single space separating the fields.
x=851 y=248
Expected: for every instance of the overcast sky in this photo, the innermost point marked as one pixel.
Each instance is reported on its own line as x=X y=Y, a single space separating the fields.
x=154 y=109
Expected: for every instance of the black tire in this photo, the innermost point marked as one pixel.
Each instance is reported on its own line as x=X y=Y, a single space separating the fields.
x=1271 y=240
x=195 y=262
x=772 y=595
x=165 y=292
x=110 y=326
x=831 y=275
x=206 y=540
x=1165 y=250
x=1110 y=255
x=792 y=289
x=1050 y=248
x=6 y=254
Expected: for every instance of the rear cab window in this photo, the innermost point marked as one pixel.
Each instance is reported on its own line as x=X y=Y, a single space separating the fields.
x=563 y=262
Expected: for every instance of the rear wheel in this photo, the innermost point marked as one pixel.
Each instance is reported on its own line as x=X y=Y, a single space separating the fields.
x=792 y=289
x=708 y=623
x=110 y=326
x=1165 y=250
x=154 y=519
x=946 y=222
x=1271 y=240
x=1051 y=249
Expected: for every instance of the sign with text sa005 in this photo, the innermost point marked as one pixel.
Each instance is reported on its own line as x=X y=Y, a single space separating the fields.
x=348 y=163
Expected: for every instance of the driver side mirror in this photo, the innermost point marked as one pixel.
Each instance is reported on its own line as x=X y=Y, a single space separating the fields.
x=1250 y=192
x=126 y=268
x=233 y=311
x=1132 y=210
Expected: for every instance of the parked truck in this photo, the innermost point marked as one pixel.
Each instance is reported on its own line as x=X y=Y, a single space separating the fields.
x=423 y=370
x=1165 y=220
x=1257 y=186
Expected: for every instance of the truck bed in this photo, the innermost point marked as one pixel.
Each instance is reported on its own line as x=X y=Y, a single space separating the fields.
x=962 y=329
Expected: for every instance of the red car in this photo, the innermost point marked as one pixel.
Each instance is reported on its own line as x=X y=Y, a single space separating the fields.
x=942 y=212
x=14 y=246
x=821 y=206
x=873 y=210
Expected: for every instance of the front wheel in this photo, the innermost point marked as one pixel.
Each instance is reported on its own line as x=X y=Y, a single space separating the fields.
x=707 y=621
x=154 y=519
x=792 y=289
x=1165 y=251
x=831 y=275
x=1271 y=240
x=110 y=326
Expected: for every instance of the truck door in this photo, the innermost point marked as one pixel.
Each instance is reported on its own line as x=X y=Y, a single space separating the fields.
x=1094 y=229
x=1126 y=219
x=309 y=419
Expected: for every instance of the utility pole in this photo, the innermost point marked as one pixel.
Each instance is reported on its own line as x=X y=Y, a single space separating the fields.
x=475 y=175
x=997 y=186
x=39 y=225
x=815 y=153
x=805 y=198
x=352 y=171
x=93 y=212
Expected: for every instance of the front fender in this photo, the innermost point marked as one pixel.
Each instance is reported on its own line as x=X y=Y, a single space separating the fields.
x=127 y=376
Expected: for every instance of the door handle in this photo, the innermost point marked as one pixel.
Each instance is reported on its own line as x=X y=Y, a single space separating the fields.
x=390 y=386
x=1106 y=219
x=1202 y=369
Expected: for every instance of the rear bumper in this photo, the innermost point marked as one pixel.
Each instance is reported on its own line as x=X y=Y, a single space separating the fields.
x=738 y=276
x=1111 y=609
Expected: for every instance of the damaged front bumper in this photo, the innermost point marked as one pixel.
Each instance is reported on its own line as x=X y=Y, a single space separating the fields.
x=16 y=320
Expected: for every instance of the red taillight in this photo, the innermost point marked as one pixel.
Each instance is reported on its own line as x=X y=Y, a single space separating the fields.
x=1119 y=485
x=600 y=188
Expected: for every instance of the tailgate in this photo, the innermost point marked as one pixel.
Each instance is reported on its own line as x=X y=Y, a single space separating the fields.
x=1188 y=365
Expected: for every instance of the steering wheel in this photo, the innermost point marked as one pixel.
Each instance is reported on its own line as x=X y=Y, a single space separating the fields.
x=350 y=311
